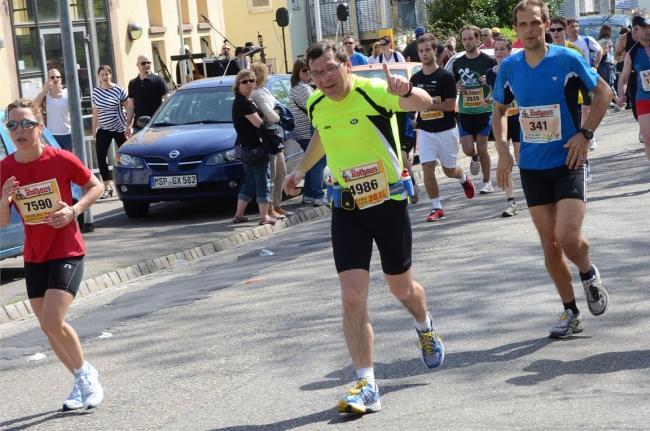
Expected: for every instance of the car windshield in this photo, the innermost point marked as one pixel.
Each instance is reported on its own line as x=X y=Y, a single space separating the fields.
x=195 y=106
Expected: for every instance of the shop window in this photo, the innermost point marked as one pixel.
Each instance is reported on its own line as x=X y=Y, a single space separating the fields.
x=259 y=6
x=76 y=10
x=23 y=11
x=47 y=10
x=27 y=50
x=155 y=13
x=104 y=45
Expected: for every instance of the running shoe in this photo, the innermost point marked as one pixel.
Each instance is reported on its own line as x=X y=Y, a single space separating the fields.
x=436 y=214
x=92 y=393
x=486 y=188
x=319 y=202
x=510 y=210
x=360 y=399
x=592 y=144
x=74 y=401
x=474 y=166
x=468 y=187
x=433 y=351
x=596 y=295
x=307 y=200
x=567 y=325
x=587 y=172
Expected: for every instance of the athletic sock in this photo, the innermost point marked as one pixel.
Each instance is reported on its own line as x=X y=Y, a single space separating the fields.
x=368 y=374
x=427 y=325
x=435 y=203
x=588 y=275
x=463 y=179
x=571 y=306
x=82 y=370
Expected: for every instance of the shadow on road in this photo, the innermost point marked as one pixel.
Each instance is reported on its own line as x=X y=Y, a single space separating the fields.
x=604 y=363
x=24 y=422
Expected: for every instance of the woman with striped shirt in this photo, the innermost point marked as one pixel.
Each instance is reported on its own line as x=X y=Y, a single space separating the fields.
x=109 y=121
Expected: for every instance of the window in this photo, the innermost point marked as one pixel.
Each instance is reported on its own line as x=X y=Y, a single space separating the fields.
x=155 y=13
x=185 y=12
x=27 y=50
x=104 y=45
x=23 y=11
x=202 y=9
x=260 y=6
x=99 y=8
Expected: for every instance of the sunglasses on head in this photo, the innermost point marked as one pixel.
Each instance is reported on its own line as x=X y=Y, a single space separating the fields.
x=25 y=124
x=556 y=29
x=247 y=81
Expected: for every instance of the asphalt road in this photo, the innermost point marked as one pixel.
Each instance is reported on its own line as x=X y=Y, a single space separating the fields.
x=239 y=341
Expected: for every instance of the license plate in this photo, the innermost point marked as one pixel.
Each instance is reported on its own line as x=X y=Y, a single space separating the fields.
x=172 y=181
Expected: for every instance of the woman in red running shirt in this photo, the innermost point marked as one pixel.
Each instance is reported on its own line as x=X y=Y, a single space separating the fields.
x=37 y=179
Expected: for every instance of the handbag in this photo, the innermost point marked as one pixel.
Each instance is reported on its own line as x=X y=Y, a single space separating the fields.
x=270 y=141
x=286 y=117
x=251 y=155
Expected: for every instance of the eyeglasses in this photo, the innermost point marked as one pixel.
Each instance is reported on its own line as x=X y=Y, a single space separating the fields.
x=305 y=70
x=348 y=43
x=25 y=124
x=485 y=34
x=144 y=63
x=247 y=81
x=55 y=77
x=329 y=70
x=556 y=29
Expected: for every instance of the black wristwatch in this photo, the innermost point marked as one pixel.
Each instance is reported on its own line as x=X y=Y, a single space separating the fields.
x=588 y=134
x=408 y=93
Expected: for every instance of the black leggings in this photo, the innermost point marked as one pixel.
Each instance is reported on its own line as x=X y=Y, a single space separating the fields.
x=102 y=143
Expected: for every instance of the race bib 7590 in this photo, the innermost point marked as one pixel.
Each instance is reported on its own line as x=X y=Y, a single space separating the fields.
x=35 y=201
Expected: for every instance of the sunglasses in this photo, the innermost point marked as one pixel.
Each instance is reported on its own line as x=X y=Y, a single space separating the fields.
x=556 y=29
x=305 y=70
x=25 y=124
x=55 y=77
x=144 y=63
x=348 y=43
x=247 y=81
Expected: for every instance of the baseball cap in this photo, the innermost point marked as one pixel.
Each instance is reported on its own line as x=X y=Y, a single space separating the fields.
x=640 y=21
x=419 y=31
x=496 y=30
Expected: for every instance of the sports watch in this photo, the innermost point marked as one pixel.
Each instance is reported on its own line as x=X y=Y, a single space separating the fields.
x=588 y=134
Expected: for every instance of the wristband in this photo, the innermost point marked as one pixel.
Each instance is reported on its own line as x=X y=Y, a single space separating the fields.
x=74 y=212
x=408 y=93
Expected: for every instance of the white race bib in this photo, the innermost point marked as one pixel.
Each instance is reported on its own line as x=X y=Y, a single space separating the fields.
x=431 y=114
x=541 y=124
x=472 y=97
x=368 y=184
x=645 y=80
x=35 y=201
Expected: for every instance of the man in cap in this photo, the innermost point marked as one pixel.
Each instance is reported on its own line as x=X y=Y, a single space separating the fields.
x=411 y=51
x=388 y=55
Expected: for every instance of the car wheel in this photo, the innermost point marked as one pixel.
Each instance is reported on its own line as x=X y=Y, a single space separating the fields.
x=136 y=209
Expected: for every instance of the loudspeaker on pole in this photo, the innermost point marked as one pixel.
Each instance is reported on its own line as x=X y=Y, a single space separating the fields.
x=282 y=16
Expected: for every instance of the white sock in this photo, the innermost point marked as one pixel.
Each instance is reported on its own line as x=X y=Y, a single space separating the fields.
x=368 y=374
x=463 y=179
x=435 y=203
x=84 y=369
x=427 y=325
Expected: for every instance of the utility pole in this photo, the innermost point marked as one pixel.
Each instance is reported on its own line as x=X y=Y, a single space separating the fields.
x=319 y=29
x=74 y=95
x=182 y=63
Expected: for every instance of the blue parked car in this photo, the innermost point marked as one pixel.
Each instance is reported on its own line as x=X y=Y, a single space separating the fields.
x=186 y=150
x=12 y=237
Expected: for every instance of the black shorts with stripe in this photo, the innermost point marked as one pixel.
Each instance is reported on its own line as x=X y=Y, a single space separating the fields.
x=548 y=186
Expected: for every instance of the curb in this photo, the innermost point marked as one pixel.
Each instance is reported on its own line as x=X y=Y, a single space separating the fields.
x=22 y=309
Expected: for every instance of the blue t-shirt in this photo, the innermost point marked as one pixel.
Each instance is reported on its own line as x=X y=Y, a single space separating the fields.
x=358 y=59
x=548 y=102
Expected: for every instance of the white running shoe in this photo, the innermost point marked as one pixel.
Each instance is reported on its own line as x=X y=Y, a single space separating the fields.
x=486 y=188
x=74 y=401
x=91 y=390
x=474 y=167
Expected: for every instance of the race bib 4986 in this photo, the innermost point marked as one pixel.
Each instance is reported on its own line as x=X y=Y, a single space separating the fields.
x=35 y=201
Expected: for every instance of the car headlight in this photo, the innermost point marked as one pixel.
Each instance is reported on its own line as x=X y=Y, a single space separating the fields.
x=128 y=161
x=221 y=157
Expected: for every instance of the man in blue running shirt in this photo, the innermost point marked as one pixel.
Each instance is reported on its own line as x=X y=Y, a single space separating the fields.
x=553 y=152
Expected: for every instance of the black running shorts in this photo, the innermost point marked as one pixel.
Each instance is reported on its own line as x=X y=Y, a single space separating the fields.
x=63 y=274
x=514 y=128
x=387 y=224
x=548 y=186
x=475 y=124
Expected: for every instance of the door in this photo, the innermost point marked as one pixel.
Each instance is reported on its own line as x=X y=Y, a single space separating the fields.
x=53 y=58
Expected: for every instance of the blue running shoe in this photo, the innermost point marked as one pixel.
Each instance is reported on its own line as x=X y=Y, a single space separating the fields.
x=360 y=399
x=433 y=351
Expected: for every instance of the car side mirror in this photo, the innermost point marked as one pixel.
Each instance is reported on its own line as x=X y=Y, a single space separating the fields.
x=142 y=121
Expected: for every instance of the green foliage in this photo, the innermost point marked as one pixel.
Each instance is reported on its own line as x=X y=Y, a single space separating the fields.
x=446 y=17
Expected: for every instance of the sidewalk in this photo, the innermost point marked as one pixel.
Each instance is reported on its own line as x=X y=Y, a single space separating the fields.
x=108 y=261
